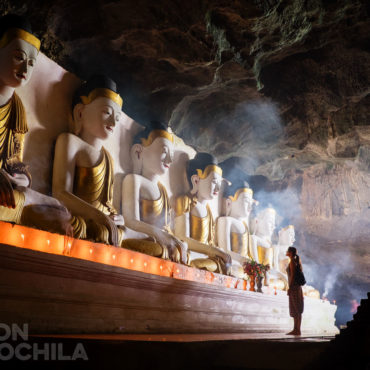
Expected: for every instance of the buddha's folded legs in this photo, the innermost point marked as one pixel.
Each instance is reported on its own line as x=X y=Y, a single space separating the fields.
x=50 y=217
x=89 y=229
x=147 y=247
x=55 y=219
x=13 y=214
x=210 y=264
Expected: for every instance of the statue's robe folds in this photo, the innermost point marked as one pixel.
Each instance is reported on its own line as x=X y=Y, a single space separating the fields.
x=13 y=127
x=265 y=255
x=201 y=229
x=94 y=185
x=241 y=243
x=157 y=213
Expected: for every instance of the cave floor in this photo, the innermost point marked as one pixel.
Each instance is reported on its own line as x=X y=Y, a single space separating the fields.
x=222 y=351
x=194 y=337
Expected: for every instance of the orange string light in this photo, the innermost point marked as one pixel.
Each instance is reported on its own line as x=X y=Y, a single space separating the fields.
x=42 y=241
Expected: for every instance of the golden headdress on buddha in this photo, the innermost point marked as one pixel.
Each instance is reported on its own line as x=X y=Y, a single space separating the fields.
x=152 y=131
x=16 y=27
x=236 y=180
x=97 y=86
x=202 y=165
x=287 y=227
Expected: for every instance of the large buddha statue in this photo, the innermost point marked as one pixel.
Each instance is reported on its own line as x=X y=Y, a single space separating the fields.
x=18 y=202
x=233 y=229
x=145 y=203
x=83 y=168
x=194 y=222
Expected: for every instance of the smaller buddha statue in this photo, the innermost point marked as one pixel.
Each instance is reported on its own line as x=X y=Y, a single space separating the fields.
x=281 y=261
x=286 y=240
x=83 y=168
x=233 y=229
x=20 y=204
x=262 y=249
x=194 y=222
x=145 y=202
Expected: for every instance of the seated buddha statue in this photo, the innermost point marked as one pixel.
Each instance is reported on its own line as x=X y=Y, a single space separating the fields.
x=281 y=261
x=264 y=226
x=194 y=222
x=233 y=233
x=20 y=204
x=145 y=202
x=83 y=168
x=286 y=240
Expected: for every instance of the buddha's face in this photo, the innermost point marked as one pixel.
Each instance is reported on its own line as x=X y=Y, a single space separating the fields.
x=99 y=117
x=266 y=224
x=242 y=206
x=17 y=60
x=158 y=156
x=209 y=187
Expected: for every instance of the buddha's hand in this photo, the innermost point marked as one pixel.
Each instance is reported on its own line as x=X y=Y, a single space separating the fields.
x=102 y=219
x=182 y=248
x=118 y=219
x=6 y=191
x=225 y=257
x=170 y=242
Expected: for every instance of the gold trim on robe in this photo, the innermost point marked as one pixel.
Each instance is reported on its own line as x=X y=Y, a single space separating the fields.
x=265 y=255
x=241 y=243
x=13 y=127
x=202 y=228
x=94 y=185
x=155 y=212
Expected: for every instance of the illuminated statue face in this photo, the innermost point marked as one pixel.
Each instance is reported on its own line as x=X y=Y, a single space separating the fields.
x=17 y=60
x=287 y=237
x=157 y=157
x=242 y=206
x=99 y=117
x=266 y=223
x=209 y=187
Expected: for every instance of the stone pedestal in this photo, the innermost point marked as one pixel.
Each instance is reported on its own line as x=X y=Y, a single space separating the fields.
x=61 y=294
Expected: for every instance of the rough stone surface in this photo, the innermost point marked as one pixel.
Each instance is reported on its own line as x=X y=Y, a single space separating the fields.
x=282 y=88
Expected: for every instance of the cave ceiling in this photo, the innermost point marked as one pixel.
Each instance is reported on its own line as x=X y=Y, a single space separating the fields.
x=276 y=88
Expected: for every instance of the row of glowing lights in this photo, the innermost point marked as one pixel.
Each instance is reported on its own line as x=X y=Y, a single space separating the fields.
x=113 y=256
x=145 y=264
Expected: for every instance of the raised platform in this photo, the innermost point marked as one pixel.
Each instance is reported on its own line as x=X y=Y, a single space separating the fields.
x=56 y=293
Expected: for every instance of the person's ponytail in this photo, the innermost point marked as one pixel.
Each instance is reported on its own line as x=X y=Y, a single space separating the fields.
x=298 y=261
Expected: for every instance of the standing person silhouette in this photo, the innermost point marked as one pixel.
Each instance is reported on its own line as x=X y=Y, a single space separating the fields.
x=295 y=292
